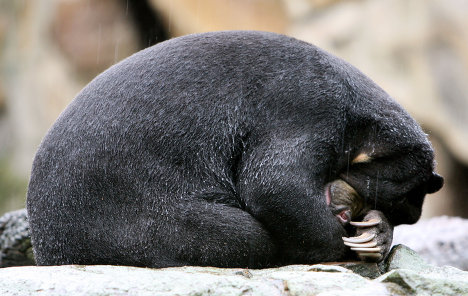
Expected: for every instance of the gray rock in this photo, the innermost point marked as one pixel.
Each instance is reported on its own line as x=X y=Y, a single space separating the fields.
x=407 y=274
x=440 y=240
x=365 y=269
x=119 y=280
x=402 y=257
x=15 y=243
x=412 y=273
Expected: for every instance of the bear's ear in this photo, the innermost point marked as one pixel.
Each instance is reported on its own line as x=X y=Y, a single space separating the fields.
x=435 y=183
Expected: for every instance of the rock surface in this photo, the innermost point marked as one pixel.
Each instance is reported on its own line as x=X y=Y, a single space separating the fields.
x=118 y=280
x=416 y=276
x=440 y=240
x=412 y=276
x=15 y=243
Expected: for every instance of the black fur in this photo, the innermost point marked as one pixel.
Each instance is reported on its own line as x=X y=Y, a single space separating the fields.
x=214 y=149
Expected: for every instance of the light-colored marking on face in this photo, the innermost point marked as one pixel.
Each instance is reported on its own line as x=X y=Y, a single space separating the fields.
x=361 y=158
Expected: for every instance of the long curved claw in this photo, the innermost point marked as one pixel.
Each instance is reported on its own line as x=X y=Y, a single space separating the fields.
x=375 y=237
x=370 y=244
x=363 y=238
x=365 y=246
x=369 y=223
x=367 y=250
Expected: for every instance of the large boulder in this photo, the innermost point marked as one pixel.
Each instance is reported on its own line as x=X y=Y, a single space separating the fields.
x=412 y=276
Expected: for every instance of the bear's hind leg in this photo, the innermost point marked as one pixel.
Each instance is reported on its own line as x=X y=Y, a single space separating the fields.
x=213 y=234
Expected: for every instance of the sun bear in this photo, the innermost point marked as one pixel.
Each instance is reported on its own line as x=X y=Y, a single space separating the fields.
x=220 y=149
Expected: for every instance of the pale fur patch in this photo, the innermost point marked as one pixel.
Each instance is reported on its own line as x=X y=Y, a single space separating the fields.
x=362 y=157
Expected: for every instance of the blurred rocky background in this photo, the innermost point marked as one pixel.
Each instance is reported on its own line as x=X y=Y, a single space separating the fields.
x=416 y=50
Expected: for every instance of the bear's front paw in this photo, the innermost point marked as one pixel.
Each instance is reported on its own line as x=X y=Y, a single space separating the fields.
x=373 y=237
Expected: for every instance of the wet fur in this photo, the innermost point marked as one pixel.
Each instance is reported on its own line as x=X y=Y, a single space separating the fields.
x=214 y=149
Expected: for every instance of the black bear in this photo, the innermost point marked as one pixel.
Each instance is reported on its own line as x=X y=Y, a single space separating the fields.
x=219 y=149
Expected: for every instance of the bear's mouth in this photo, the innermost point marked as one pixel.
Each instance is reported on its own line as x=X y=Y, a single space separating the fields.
x=342 y=213
x=344 y=216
